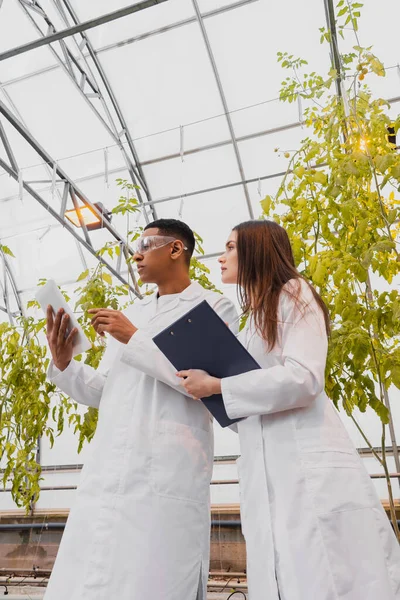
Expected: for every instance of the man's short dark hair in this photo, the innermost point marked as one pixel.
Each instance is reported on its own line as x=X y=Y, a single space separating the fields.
x=177 y=229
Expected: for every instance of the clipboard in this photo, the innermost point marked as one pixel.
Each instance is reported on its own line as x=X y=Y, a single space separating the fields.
x=201 y=340
x=50 y=294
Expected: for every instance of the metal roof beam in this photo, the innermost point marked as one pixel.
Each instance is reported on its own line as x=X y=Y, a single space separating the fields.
x=137 y=38
x=85 y=26
x=224 y=104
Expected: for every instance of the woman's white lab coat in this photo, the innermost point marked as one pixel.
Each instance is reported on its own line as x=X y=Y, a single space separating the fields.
x=314 y=526
x=140 y=525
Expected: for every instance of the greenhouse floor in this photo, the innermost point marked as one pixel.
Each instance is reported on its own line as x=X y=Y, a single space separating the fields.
x=30 y=593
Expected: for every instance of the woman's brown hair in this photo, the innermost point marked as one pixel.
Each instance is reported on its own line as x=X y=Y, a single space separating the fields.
x=265 y=265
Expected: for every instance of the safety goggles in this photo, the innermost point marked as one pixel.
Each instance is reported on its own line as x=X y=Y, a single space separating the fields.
x=148 y=243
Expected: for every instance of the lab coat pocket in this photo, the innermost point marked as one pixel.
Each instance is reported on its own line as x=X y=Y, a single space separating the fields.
x=181 y=462
x=336 y=479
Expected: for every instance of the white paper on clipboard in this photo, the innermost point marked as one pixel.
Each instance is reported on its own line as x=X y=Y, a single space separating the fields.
x=49 y=294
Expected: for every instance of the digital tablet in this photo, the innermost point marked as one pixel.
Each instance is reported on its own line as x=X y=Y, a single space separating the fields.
x=49 y=294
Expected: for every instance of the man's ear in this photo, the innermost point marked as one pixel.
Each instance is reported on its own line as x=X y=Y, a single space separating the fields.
x=177 y=249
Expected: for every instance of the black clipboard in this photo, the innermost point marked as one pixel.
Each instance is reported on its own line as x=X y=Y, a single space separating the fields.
x=201 y=340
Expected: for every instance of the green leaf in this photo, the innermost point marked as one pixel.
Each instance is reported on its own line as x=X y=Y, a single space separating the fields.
x=395 y=374
x=362 y=227
x=320 y=273
x=377 y=67
x=107 y=278
x=360 y=272
x=32 y=304
x=266 y=204
x=395 y=171
x=383 y=162
x=83 y=275
x=380 y=410
x=384 y=246
x=320 y=177
x=6 y=250
x=299 y=171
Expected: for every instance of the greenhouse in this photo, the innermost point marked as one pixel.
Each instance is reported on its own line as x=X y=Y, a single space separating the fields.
x=118 y=123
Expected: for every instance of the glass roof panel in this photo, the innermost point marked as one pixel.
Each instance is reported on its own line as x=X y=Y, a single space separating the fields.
x=143 y=23
x=57 y=116
x=12 y=36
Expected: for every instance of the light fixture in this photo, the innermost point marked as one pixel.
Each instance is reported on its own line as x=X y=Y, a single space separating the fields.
x=86 y=215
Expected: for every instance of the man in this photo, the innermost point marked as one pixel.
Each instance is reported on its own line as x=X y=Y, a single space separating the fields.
x=139 y=529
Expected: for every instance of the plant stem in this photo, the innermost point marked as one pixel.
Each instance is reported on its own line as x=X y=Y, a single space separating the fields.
x=370 y=446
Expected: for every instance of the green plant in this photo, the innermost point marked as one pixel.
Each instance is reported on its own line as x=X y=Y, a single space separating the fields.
x=340 y=206
x=26 y=407
x=199 y=271
x=96 y=290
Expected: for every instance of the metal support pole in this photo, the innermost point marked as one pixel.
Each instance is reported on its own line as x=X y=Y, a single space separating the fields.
x=392 y=432
x=335 y=56
x=9 y=282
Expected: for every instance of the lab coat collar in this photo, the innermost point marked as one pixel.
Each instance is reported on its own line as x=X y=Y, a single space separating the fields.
x=193 y=291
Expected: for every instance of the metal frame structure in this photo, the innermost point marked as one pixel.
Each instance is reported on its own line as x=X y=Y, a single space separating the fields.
x=86 y=73
x=197 y=150
x=70 y=191
x=77 y=28
x=8 y=284
x=138 y=38
x=84 y=76
x=89 y=78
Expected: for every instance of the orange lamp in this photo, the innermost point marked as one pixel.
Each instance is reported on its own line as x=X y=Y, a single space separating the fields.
x=89 y=218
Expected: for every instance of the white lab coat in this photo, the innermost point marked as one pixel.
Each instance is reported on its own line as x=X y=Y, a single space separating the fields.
x=139 y=528
x=314 y=526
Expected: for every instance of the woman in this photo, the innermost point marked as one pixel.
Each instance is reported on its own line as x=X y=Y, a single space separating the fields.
x=314 y=526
